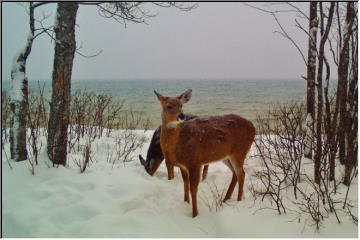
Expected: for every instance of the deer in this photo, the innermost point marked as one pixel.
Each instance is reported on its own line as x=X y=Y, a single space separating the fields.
x=192 y=144
x=155 y=156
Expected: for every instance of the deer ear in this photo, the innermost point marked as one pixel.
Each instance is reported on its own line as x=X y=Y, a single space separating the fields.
x=185 y=97
x=159 y=96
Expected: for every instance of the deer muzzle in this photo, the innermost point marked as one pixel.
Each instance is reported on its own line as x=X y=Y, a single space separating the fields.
x=181 y=116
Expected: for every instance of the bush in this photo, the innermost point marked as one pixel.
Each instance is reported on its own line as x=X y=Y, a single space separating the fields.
x=280 y=150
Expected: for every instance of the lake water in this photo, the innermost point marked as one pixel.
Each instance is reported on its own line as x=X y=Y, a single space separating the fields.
x=210 y=97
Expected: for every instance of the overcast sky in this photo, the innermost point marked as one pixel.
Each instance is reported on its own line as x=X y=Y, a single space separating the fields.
x=215 y=40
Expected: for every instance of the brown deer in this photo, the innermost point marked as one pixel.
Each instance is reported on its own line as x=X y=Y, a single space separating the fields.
x=154 y=156
x=191 y=144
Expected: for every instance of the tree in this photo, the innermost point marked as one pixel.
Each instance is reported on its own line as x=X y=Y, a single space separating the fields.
x=320 y=102
x=19 y=94
x=311 y=72
x=343 y=77
x=336 y=127
x=347 y=90
x=65 y=47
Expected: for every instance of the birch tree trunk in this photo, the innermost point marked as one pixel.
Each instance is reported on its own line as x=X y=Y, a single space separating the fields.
x=65 y=47
x=19 y=88
x=311 y=72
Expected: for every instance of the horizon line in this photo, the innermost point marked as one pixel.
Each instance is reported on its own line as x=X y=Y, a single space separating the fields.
x=170 y=79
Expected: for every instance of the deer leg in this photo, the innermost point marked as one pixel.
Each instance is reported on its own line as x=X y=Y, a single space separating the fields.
x=237 y=164
x=241 y=183
x=231 y=187
x=172 y=175
x=205 y=172
x=194 y=183
x=185 y=177
x=232 y=183
x=170 y=169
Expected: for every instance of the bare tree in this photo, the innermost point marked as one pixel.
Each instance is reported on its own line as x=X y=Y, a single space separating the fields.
x=65 y=47
x=348 y=99
x=311 y=72
x=135 y=12
x=343 y=78
x=19 y=88
x=320 y=103
x=19 y=95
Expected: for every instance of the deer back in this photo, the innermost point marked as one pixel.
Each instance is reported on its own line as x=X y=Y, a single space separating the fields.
x=204 y=140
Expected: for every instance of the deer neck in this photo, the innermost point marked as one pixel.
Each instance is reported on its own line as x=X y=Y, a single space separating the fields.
x=170 y=131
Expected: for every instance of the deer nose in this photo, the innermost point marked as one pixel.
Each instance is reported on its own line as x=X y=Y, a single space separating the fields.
x=181 y=116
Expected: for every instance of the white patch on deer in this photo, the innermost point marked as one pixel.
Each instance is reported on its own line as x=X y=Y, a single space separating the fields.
x=173 y=124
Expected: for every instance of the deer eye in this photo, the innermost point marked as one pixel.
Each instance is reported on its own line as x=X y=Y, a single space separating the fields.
x=169 y=107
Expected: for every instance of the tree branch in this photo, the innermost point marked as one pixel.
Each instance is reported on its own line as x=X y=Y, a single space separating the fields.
x=283 y=31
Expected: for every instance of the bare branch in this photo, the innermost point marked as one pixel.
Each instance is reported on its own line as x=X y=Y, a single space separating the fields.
x=260 y=9
x=179 y=5
x=298 y=10
x=35 y=5
x=333 y=53
x=91 y=3
x=89 y=56
x=43 y=30
x=283 y=31
x=286 y=35
x=306 y=32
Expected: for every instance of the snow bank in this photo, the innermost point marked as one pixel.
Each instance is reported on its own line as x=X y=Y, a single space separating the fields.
x=124 y=201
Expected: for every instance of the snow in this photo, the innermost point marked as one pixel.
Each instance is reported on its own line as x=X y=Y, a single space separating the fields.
x=313 y=32
x=56 y=20
x=124 y=201
x=17 y=79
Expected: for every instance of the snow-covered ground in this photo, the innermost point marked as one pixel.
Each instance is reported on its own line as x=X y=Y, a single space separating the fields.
x=124 y=201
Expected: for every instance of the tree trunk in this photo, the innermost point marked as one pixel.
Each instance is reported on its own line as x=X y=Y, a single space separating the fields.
x=351 y=110
x=333 y=137
x=343 y=80
x=18 y=107
x=19 y=96
x=65 y=47
x=327 y=122
x=319 y=145
x=311 y=71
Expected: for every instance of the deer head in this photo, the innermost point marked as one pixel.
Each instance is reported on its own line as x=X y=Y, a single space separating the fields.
x=172 y=106
x=154 y=155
